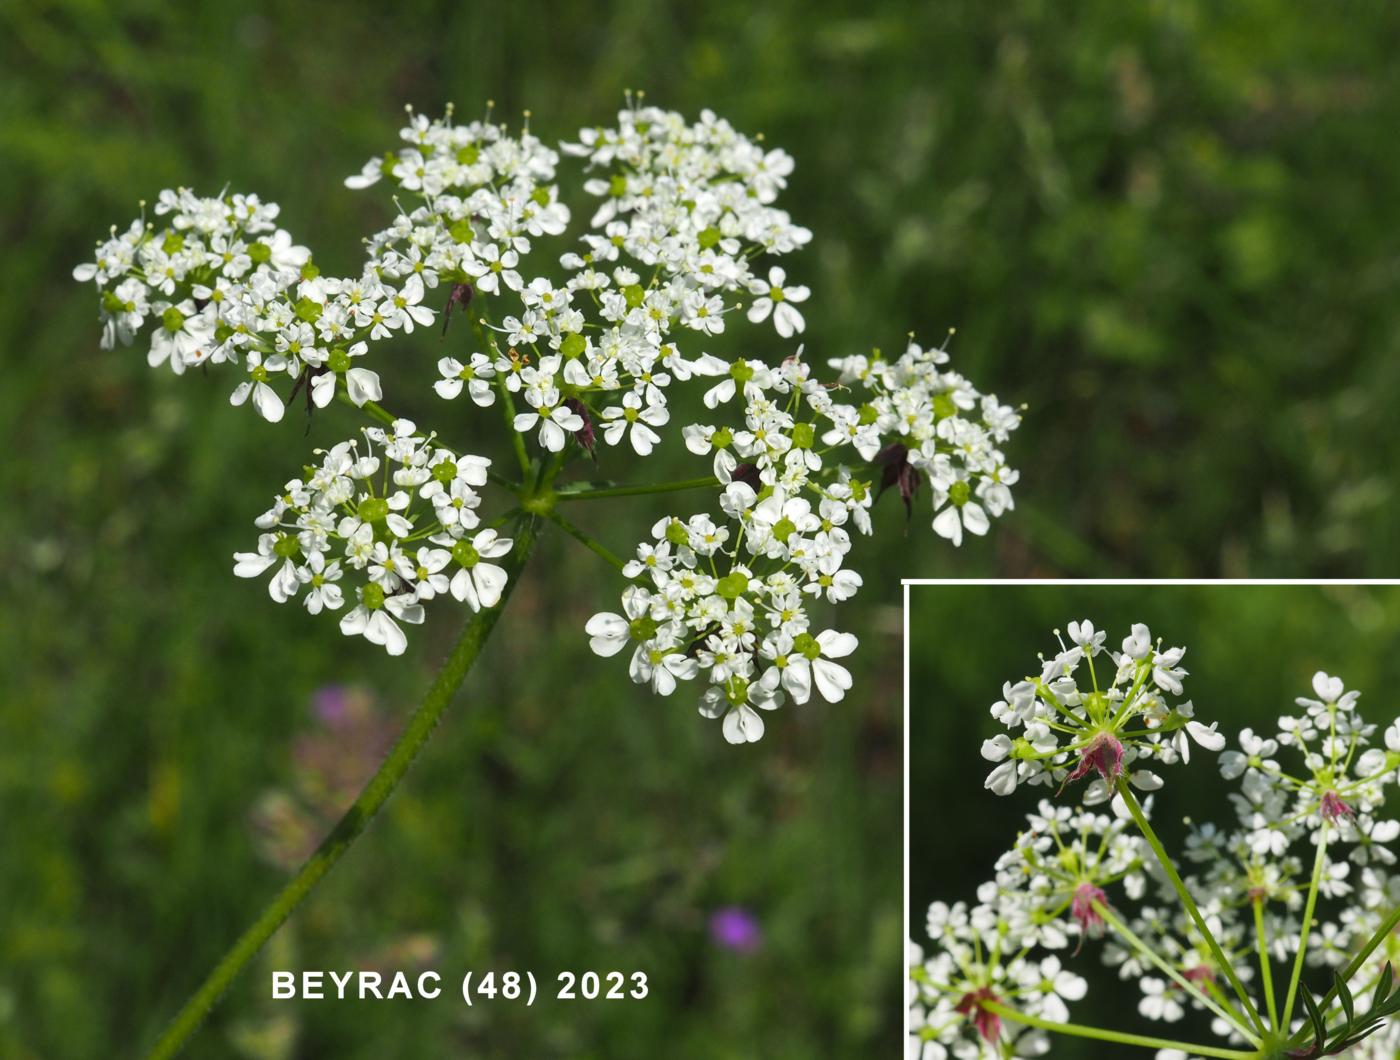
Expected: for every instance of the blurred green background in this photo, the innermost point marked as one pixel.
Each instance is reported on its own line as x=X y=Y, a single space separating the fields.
x=1250 y=650
x=1168 y=228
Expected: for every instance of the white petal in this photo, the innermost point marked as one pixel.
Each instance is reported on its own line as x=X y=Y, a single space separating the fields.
x=1206 y=736
x=644 y=439
x=492 y=547
x=947 y=524
x=607 y=633
x=405 y=609
x=787 y=320
x=683 y=667
x=552 y=437
x=490 y=581
x=353 y=623
x=837 y=645
x=712 y=703
x=975 y=519
x=743 y=725
x=1002 y=779
x=251 y=564
x=362 y=385
x=323 y=389
x=797 y=679
x=663 y=682
x=268 y=404
x=833 y=679
x=997 y=748
x=387 y=633
x=463 y=589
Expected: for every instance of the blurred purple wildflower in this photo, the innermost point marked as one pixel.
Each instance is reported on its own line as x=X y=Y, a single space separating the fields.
x=331 y=704
x=735 y=928
x=347 y=741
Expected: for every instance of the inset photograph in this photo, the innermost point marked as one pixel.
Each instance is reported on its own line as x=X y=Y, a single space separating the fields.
x=1153 y=819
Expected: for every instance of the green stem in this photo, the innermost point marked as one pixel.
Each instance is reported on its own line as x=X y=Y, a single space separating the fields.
x=507 y=400
x=517 y=440
x=1349 y=972
x=549 y=470
x=589 y=492
x=1318 y=862
x=1266 y=969
x=410 y=742
x=1078 y=1030
x=1227 y=1014
x=374 y=409
x=1130 y=800
x=583 y=538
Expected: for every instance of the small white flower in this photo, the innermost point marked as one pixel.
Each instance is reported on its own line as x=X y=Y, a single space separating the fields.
x=953 y=518
x=475 y=375
x=1158 y=1001
x=375 y=617
x=477 y=583
x=556 y=423
x=269 y=406
x=739 y=705
x=635 y=421
x=776 y=298
x=320 y=577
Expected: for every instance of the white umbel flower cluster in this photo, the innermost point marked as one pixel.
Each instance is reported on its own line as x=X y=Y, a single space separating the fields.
x=921 y=418
x=393 y=513
x=978 y=962
x=576 y=349
x=1071 y=726
x=222 y=284
x=685 y=210
x=725 y=595
x=1306 y=866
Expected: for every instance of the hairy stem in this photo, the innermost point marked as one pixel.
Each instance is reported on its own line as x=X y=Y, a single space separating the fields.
x=370 y=800
x=1077 y=1030
x=1318 y=863
x=1130 y=800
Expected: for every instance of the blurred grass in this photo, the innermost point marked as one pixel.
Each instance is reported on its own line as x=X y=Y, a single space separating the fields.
x=1250 y=651
x=1167 y=227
